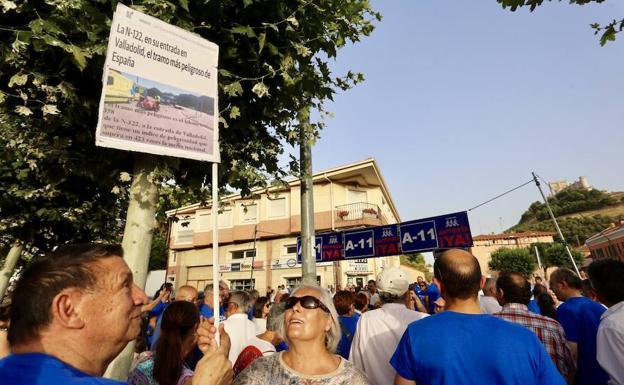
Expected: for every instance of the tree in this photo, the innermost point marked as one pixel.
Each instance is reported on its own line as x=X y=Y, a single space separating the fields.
x=518 y=260
x=608 y=31
x=417 y=261
x=555 y=255
x=57 y=187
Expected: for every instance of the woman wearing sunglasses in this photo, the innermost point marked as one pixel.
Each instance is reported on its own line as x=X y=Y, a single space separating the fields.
x=312 y=331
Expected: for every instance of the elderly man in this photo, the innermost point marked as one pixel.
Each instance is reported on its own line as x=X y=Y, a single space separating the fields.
x=580 y=317
x=464 y=346
x=514 y=293
x=237 y=325
x=206 y=308
x=73 y=312
x=380 y=330
x=606 y=279
x=488 y=301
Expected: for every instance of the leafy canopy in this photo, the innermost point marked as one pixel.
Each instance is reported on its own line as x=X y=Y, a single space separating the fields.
x=56 y=186
x=607 y=32
x=518 y=260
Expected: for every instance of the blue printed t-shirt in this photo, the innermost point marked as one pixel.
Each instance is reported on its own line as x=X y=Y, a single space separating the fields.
x=534 y=307
x=42 y=369
x=433 y=293
x=456 y=348
x=348 y=324
x=207 y=312
x=580 y=317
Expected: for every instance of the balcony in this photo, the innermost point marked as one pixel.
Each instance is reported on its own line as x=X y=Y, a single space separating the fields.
x=363 y=212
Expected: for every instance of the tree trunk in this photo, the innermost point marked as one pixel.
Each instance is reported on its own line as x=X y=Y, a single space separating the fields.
x=137 y=241
x=9 y=267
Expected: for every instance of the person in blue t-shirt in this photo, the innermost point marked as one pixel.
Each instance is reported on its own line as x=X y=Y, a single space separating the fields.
x=206 y=309
x=432 y=294
x=73 y=311
x=348 y=319
x=463 y=346
x=538 y=290
x=580 y=317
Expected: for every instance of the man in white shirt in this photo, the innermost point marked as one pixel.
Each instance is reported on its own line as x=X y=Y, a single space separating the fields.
x=379 y=331
x=237 y=325
x=372 y=294
x=605 y=276
x=488 y=301
x=267 y=341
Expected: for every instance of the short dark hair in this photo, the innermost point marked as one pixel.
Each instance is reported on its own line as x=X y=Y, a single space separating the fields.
x=606 y=278
x=67 y=266
x=258 y=307
x=516 y=288
x=539 y=289
x=360 y=301
x=461 y=279
x=563 y=274
x=343 y=300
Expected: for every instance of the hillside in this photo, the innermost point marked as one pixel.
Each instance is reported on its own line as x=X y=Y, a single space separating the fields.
x=580 y=214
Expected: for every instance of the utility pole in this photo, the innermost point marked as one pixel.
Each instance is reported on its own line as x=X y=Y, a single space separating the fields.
x=137 y=242
x=308 y=254
x=552 y=216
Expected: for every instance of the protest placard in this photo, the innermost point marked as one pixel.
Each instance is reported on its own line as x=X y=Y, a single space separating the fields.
x=160 y=89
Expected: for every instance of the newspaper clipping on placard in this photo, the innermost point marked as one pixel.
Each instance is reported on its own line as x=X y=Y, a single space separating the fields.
x=160 y=89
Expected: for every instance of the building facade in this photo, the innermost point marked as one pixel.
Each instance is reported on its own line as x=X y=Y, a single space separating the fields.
x=485 y=245
x=258 y=235
x=608 y=243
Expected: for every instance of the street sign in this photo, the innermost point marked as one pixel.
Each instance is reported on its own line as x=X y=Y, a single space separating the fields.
x=387 y=241
x=417 y=236
x=359 y=244
x=318 y=245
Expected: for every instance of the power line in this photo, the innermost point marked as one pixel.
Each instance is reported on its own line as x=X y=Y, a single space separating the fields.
x=498 y=196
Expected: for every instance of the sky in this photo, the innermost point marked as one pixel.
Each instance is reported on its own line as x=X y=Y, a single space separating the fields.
x=462 y=100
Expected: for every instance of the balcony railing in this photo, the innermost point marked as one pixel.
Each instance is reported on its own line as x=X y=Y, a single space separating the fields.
x=357 y=211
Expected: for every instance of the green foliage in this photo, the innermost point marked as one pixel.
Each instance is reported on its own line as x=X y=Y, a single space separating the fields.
x=555 y=255
x=56 y=186
x=417 y=261
x=159 y=252
x=607 y=31
x=575 y=230
x=569 y=202
x=518 y=260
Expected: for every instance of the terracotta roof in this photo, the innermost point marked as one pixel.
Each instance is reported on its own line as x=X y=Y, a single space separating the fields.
x=526 y=234
x=605 y=233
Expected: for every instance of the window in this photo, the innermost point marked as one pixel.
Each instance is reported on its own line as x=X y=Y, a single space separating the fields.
x=290 y=249
x=249 y=213
x=277 y=208
x=204 y=221
x=296 y=281
x=356 y=196
x=185 y=226
x=242 y=284
x=240 y=254
x=225 y=218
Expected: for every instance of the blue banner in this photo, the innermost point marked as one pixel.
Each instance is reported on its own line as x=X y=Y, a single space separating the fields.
x=417 y=236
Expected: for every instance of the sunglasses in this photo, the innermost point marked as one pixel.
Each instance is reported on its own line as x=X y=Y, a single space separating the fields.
x=307 y=302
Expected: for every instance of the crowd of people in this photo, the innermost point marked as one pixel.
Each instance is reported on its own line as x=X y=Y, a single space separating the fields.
x=73 y=311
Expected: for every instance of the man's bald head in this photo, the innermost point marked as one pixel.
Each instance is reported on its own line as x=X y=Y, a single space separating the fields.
x=459 y=272
x=186 y=293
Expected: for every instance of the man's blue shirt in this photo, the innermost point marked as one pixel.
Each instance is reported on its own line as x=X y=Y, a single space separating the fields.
x=433 y=293
x=348 y=325
x=534 y=307
x=207 y=312
x=580 y=317
x=455 y=348
x=42 y=369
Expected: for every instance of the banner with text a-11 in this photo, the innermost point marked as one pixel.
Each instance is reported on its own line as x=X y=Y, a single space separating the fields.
x=159 y=89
